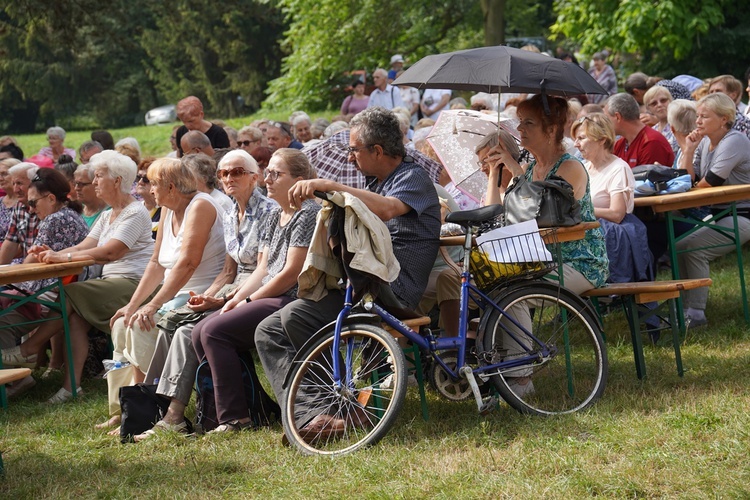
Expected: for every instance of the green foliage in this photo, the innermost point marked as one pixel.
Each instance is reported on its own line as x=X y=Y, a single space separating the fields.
x=667 y=30
x=327 y=38
x=112 y=61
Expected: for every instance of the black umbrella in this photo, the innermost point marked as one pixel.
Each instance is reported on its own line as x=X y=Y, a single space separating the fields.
x=500 y=69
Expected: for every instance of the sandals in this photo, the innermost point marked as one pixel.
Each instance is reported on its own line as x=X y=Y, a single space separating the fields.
x=233 y=426
x=12 y=357
x=160 y=427
x=63 y=395
x=114 y=420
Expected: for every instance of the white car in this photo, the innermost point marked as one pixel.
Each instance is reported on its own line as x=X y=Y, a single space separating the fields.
x=162 y=114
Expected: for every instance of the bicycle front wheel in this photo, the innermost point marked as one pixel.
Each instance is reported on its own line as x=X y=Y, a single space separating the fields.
x=327 y=418
x=566 y=368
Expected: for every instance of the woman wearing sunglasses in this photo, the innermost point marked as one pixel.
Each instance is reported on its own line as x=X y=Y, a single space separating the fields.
x=143 y=189
x=61 y=226
x=175 y=363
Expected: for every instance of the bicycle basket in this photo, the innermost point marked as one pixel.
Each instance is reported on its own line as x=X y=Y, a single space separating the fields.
x=521 y=256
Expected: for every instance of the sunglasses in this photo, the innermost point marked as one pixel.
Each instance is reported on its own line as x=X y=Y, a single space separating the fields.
x=234 y=172
x=139 y=178
x=246 y=143
x=32 y=203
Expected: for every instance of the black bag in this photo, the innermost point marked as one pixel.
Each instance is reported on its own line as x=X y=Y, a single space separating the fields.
x=141 y=409
x=659 y=175
x=551 y=202
x=259 y=403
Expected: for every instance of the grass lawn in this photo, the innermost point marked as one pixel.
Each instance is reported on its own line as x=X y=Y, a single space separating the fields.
x=664 y=436
x=154 y=140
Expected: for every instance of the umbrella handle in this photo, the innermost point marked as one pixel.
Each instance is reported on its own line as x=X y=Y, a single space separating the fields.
x=322 y=195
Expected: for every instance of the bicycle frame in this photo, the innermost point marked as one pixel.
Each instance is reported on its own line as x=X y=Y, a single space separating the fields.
x=434 y=345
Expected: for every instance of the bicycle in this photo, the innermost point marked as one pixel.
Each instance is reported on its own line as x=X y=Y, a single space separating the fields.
x=354 y=370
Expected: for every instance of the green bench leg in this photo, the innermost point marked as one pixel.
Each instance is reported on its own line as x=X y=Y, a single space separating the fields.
x=631 y=312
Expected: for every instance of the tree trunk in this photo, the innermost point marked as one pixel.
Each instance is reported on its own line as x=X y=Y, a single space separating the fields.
x=494 y=21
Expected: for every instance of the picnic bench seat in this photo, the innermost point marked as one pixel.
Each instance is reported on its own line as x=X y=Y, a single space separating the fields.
x=635 y=296
x=413 y=355
x=8 y=375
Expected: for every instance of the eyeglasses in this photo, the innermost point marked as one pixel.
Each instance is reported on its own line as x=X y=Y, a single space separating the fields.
x=139 y=178
x=32 y=203
x=234 y=172
x=273 y=174
x=246 y=143
x=663 y=100
x=353 y=149
x=82 y=184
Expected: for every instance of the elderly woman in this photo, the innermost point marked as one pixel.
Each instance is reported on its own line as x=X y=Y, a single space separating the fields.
x=9 y=201
x=243 y=231
x=61 y=226
x=249 y=138
x=612 y=192
x=681 y=115
x=93 y=206
x=272 y=285
x=143 y=189
x=585 y=265
x=56 y=138
x=715 y=155
x=188 y=254
x=120 y=240
x=657 y=99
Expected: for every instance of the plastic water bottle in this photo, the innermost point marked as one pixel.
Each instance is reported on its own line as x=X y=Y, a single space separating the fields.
x=110 y=364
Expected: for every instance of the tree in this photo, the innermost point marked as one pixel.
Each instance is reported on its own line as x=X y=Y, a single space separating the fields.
x=327 y=38
x=662 y=33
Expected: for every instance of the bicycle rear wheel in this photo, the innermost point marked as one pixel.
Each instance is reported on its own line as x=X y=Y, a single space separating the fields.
x=568 y=372
x=362 y=408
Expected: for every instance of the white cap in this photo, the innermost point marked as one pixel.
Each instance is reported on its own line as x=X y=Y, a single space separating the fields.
x=397 y=58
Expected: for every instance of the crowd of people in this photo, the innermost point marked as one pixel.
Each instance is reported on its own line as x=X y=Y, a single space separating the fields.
x=197 y=253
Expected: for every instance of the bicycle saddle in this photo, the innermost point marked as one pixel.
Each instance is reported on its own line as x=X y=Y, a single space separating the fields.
x=476 y=216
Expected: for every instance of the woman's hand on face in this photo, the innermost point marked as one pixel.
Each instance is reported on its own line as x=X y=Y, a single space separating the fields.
x=692 y=140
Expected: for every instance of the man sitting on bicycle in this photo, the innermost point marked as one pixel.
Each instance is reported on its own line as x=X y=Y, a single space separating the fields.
x=403 y=196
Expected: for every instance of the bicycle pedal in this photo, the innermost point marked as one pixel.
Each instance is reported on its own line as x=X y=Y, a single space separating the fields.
x=488 y=406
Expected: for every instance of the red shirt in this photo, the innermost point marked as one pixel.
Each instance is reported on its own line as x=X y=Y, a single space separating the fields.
x=648 y=147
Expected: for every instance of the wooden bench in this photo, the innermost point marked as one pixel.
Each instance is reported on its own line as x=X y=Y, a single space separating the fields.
x=635 y=296
x=413 y=355
x=7 y=376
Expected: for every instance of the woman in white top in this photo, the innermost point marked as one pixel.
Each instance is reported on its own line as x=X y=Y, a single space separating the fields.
x=612 y=192
x=188 y=254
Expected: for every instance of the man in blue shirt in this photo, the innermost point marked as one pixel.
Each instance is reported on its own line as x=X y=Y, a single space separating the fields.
x=398 y=192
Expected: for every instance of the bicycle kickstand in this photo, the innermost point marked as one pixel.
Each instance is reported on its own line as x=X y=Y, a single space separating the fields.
x=483 y=406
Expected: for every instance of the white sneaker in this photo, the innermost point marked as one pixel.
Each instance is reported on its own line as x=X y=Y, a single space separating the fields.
x=63 y=395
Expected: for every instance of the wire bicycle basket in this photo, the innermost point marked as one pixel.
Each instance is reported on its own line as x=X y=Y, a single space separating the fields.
x=524 y=256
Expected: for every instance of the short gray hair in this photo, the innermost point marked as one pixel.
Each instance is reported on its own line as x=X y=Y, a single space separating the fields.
x=380 y=71
x=196 y=139
x=86 y=169
x=131 y=141
x=117 y=165
x=299 y=117
x=58 y=132
x=380 y=126
x=29 y=168
x=681 y=115
x=249 y=162
x=203 y=167
x=626 y=105
x=87 y=146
